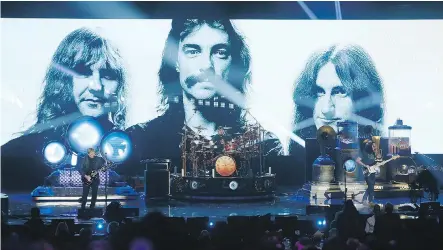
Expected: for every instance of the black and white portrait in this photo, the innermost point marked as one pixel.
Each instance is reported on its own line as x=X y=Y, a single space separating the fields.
x=196 y=50
x=152 y=78
x=85 y=77
x=336 y=85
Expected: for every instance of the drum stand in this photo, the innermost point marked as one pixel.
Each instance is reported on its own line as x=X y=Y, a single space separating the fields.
x=261 y=136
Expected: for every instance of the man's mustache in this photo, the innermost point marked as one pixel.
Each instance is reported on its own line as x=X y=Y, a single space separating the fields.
x=194 y=79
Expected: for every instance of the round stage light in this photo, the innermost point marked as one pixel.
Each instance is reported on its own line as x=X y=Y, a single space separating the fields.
x=116 y=146
x=194 y=185
x=321 y=222
x=84 y=133
x=350 y=166
x=54 y=152
x=233 y=185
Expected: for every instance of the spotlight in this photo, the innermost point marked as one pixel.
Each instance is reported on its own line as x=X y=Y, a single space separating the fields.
x=116 y=146
x=100 y=226
x=54 y=153
x=74 y=160
x=321 y=223
x=233 y=185
x=211 y=224
x=350 y=166
x=84 y=133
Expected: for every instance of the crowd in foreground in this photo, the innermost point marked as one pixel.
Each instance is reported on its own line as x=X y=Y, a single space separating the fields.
x=382 y=230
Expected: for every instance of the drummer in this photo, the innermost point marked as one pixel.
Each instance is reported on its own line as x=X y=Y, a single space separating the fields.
x=220 y=139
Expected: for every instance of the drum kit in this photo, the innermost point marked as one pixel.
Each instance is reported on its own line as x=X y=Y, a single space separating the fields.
x=229 y=155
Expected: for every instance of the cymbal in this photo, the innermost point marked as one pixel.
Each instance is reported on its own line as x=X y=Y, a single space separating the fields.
x=227 y=127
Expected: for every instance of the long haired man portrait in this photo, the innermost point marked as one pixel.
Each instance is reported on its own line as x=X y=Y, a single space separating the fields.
x=85 y=77
x=195 y=51
x=338 y=84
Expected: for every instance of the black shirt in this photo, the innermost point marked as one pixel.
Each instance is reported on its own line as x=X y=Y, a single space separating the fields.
x=91 y=164
x=368 y=159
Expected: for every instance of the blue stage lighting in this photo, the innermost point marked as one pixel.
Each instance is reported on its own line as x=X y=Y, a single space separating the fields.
x=84 y=133
x=350 y=166
x=321 y=222
x=100 y=226
x=54 y=152
x=211 y=224
x=116 y=146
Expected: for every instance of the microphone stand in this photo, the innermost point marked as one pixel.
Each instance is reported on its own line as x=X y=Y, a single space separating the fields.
x=106 y=182
x=344 y=171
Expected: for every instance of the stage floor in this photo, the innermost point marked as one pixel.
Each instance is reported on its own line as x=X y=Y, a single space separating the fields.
x=288 y=201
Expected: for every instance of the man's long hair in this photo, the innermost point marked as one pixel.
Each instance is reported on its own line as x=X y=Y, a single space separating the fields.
x=239 y=74
x=81 y=47
x=358 y=75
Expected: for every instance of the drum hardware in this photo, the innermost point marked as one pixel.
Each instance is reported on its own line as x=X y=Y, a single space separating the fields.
x=203 y=154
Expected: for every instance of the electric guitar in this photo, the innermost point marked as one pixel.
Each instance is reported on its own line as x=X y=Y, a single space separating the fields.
x=95 y=174
x=376 y=168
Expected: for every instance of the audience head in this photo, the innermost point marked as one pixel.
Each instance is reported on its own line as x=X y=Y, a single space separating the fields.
x=62 y=229
x=204 y=234
x=376 y=210
x=113 y=227
x=35 y=212
x=332 y=232
x=389 y=208
x=349 y=207
x=40 y=245
x=100 y=245
x=85 y=234
x=114 y=212
x=141 y=244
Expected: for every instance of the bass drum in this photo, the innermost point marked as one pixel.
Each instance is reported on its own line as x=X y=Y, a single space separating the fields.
x=225 y=165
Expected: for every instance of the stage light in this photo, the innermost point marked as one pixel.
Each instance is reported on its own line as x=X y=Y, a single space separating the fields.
x=116 y=146
x=74 y=159
x=350 y=166
x=233 y=185
x=100 y=226
x=54 y=153
x=321 y=222
x=84 y=133
x=211 y=224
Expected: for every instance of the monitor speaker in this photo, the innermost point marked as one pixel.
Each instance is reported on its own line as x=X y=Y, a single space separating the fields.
x=157 y=183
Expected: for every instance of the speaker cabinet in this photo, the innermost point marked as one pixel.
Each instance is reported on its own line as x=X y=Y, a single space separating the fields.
x=157 y=183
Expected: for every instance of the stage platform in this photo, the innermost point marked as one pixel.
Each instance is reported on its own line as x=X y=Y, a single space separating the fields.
x=288 y=201
x=323 y=193
x=74 y=193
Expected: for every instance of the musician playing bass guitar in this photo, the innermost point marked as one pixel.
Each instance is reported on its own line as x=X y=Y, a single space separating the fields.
x=92 y=163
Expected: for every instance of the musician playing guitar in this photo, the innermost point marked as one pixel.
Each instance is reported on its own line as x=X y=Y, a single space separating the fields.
x=371 y=167
x=366 y=160
x=90 y=164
